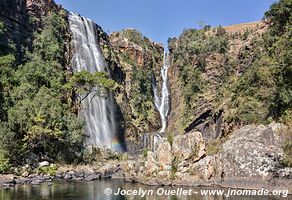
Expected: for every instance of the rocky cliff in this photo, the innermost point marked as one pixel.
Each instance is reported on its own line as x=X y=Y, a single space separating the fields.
x=15 y=15
x=203 y=109
x=249 y=159
x=139 y=60
x=22 y=18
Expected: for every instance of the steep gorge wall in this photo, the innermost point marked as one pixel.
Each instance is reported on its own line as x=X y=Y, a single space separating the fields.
x=23 y=17
x=137 y=60
x=16 y=19
x=216 y=69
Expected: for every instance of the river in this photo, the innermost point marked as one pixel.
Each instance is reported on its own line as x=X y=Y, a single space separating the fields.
x=96 y=191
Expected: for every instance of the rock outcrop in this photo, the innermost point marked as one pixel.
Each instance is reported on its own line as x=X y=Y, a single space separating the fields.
x=189 y=147
x=251 y=157
x=40 y=8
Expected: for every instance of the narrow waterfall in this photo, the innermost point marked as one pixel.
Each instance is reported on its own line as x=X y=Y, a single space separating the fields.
x=98 y=112
x=162 y=103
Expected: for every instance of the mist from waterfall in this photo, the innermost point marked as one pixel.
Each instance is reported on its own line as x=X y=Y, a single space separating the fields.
x=162 y=101
x=98 y=112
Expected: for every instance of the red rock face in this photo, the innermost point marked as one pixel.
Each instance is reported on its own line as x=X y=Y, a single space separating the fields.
x=137 y=54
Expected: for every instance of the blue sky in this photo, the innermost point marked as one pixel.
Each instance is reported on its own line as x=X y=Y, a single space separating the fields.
x=161 y=19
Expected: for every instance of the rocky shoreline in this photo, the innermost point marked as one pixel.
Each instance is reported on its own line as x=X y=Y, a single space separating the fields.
x=71 y=176
x=249 y=159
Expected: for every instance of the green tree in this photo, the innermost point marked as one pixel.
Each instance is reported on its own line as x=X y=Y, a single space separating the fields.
x=84 y=83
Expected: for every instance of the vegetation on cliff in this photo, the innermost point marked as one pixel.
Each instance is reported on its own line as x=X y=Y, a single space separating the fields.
x=264 y=91
x=190 y=52
x=254 y=86
x=141 y=60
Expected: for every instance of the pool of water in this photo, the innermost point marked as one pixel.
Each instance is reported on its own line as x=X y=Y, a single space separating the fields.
x=96 y=191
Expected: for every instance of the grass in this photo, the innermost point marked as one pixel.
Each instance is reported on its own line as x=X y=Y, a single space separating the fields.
x=170 y=138
x=214 y=147
x=145 y=152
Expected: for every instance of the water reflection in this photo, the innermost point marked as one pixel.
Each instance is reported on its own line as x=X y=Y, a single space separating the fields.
x=95 y=191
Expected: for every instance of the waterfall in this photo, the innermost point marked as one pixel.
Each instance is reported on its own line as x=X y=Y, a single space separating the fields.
x=156 y=140
x=98 y=112
x=162 y=104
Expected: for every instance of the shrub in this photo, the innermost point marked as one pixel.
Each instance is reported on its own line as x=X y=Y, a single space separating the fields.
x=48 y=170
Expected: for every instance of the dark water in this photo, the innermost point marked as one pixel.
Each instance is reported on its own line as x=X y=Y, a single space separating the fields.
x=95 y=191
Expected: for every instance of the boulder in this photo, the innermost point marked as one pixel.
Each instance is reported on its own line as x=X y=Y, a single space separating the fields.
x=92 y=177
x=36 y=182
x=43 y=164
x=164 y=155
x=67 y=177
x=108 y=169
x=151 y=165
x=22 y=180
x=47 y=177
x=77 y=178
x=25 y=174
x=189 y=147
x=164 y=174
x=118 y=175
x=207 y=168
x=8 y=183
x=251 y=152
x=58 y=176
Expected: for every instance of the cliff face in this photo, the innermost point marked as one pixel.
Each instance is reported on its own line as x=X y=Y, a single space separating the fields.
x=203 y=109
x=15 y=16
x=40 y=8
x=22 y=18
x=139 y=59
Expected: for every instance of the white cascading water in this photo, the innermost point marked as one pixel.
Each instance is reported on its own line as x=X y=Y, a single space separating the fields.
x=98 y=111
x=162 y=104
x=156 y=141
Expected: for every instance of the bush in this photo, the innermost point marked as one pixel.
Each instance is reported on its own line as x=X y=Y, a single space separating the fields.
x=48 y=170
x=287 y=160
x=4 y=163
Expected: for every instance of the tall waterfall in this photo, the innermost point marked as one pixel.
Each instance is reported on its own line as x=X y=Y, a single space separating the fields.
x=98 y=112
x=162 y=103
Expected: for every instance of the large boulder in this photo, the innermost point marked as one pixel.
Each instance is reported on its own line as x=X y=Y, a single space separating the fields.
x=43 y=164
x=108 y=169
x=251 y=157
x=151 y=165
x=164 y=155
x=251 y=152
x=190 y=146
x=92 y=177
x=207 y=168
